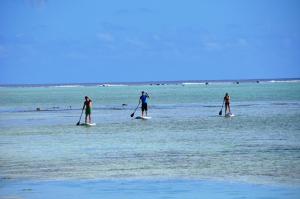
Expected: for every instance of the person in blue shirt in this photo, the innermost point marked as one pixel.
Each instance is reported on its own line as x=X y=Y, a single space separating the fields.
x=143 y=100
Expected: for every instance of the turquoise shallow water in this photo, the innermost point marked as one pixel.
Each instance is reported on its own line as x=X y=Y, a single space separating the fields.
x=185 y=139
x=147 y=189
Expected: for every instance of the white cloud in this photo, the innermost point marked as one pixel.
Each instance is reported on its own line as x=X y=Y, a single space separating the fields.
x=242 y=42
x=37 y=3
x=156 y=37
x=136 y=42
x=3 y=51
x=19 y=35
x=212 y=45
x=135 y=11
x=105 y=37
x=236 y=43
x=76 y=55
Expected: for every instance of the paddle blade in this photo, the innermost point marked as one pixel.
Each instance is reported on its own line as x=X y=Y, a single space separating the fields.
x=220 y=113
x=78 y=123
x=132 y=114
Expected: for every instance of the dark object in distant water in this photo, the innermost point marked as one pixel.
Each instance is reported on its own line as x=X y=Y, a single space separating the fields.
x=38 y=109
x=124 y=104
x=237 y=82
x=206 y=83
x=257 y=81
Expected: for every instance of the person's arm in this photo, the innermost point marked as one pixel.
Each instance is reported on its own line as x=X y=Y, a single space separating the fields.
x=83 y=105
x=147 y=95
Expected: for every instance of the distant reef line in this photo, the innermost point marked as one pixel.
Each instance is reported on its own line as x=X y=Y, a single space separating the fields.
x=159 y=82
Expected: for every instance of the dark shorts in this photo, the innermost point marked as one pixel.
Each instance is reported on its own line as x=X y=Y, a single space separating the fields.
x=144 y=107
x=88 y=111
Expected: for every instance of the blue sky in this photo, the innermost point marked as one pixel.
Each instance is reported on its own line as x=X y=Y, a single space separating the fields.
x=67 y=41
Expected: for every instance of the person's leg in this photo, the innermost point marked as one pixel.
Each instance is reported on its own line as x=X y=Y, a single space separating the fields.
x=225 y=109
x=146 y=109
x=86 y=116
x=90 y=120
x=143 y=109
x=229 y=108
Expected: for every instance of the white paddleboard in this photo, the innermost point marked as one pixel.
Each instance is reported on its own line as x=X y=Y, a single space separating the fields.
x=88 y=124
x=143 y=118
x=229 y=115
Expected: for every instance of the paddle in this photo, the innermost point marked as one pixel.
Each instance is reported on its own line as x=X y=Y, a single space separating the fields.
x=79 y=118
x=132 y=114
x=220 y=113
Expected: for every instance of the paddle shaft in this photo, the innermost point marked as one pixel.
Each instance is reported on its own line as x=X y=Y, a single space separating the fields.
x=220 y=113
x=135 y=109
x=80 y=117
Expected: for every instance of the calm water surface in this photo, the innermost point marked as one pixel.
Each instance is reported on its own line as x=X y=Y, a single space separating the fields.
x=185 y=138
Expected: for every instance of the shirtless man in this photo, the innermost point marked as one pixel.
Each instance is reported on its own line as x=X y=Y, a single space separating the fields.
x=88 y=109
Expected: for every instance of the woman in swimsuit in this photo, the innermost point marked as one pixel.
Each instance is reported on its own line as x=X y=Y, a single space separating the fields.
x=227 y=103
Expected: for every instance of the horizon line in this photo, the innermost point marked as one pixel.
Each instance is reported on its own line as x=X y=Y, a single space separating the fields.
x=147 y=82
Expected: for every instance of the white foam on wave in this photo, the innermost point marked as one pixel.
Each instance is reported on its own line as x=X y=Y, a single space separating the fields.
x=111 y=85
x=284 y=81
x=67 y=86
x=193 y=83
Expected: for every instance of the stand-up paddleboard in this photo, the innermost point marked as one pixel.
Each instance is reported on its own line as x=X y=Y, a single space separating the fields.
x=143 y=118
x=229 y=115
x=88 y=124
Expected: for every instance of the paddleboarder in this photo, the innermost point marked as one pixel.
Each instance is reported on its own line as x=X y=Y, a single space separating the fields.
x=143 y=100
x=227 y=103
x=87 y=105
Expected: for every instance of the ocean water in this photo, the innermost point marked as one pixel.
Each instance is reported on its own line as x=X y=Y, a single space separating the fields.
x=185 y=139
